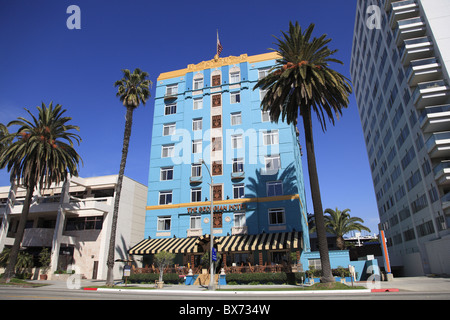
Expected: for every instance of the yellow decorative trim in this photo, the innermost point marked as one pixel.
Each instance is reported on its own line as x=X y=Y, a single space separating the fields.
x=222 y=202
x=218 y=62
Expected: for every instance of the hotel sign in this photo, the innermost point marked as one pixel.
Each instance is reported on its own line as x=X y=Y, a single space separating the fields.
x=224 y=208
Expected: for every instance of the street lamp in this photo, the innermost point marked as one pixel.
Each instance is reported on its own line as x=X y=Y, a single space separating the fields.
x=211 y=271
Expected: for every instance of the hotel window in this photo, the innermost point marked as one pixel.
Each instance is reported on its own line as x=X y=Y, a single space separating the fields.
x=236 y=141
x=238 y=191
x=198 y=81
x=262 y=73
x=172 y=90
x=196 y=222
x=196 y=194
x=274 y=188
x=262 y=94
x=167 y=151
x=235 y=97
x=272 y=163
x=265 y=116
x=235 y=75
x=166 y=173
x=238 y=165
x=197 y=124
x=239 y=219
x=164 y=223
x=270 y=137
x=170 y=109
x=165 y=197
x=196 y=170
x=198 y=103
x=169 y=129
x=84 y=223
x=276 y=216
x=236 y=119
x=197 y=146
x=216 y=144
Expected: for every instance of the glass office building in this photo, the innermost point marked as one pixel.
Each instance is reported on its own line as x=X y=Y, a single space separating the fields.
x=399 y=68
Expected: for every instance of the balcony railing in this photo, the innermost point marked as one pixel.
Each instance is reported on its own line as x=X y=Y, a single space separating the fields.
x=436 y=118
x=417 y=48
x=438 y=145
x=437 y=91
x=422 y=70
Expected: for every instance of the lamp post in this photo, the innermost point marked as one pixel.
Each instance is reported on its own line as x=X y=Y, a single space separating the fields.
x=211 y=285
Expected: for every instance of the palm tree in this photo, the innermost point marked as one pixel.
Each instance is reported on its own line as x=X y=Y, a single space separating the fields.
x=3 y=133
x=40 y=153
x=340 y=223
x=300 y=83
x=133 y=89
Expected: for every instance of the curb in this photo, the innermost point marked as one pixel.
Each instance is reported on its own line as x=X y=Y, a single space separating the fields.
x=385 y=290
x=230 y=293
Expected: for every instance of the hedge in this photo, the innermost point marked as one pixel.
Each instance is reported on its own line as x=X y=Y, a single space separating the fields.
x=168 y=278
x=265 y=278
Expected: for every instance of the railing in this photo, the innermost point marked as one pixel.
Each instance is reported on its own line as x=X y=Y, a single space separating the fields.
x=441 y=166
x=433 y=110
x=437 y=136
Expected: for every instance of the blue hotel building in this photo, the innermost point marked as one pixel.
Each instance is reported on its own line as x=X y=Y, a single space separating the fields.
x=208 y=127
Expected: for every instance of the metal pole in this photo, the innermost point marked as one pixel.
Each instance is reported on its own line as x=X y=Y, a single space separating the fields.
x=211 y=285
x=211 y=280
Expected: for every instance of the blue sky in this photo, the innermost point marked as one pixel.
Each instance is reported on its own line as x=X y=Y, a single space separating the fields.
x=41 y=60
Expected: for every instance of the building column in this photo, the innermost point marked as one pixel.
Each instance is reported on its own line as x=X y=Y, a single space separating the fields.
x=6 y=215
x=59 y=227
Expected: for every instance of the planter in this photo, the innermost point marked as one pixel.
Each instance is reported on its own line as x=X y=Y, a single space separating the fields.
x=159 y=284
x=43 y=277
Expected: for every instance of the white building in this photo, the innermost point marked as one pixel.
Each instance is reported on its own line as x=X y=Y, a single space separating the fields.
x=400 y=71
x=75 y=222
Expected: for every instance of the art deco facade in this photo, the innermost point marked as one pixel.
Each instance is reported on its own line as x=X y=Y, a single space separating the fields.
x=208 y=126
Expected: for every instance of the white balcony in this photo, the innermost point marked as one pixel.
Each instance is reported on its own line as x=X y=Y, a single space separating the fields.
x=442 y=172
x=402 y=10
x=415 y=49
x=423 y=70
x=435 y=119
x=409 y=29
x=431 y=93
x=438 y=145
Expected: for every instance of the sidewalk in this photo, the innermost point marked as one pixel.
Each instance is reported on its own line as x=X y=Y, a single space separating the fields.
x=411 y=284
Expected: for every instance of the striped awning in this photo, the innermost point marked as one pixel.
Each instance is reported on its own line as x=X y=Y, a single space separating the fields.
x=235 y=243
x=262 y=241
x=173 y=245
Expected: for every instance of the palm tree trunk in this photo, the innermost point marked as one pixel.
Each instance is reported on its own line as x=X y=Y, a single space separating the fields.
x=112 y=241
x=10 y=268
x=316 y=199
x=340 y=242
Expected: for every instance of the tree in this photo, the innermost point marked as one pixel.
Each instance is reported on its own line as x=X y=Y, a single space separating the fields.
x=39 y=154
x=339 y=223
x=163 y=259
x=132 y=90
x=3 y=133
x=301 y=83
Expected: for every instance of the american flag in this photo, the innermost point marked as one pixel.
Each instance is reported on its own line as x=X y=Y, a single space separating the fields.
x=219 y=46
